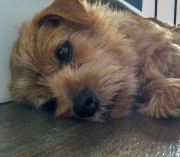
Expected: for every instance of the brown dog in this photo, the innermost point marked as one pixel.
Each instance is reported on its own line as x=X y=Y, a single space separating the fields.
x=94 y=61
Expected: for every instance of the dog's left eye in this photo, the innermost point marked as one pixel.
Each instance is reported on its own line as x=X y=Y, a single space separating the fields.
x=64 y=53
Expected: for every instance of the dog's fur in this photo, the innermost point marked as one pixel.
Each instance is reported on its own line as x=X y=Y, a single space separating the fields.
x=116 y=55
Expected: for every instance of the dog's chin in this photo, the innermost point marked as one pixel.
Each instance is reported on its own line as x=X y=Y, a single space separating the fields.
x=99 y=117
x=103 y=114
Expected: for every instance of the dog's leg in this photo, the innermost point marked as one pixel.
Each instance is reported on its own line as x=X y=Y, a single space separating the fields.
x=160 y=84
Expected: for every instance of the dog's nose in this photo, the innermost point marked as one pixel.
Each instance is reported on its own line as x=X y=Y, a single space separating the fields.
x=86 y=104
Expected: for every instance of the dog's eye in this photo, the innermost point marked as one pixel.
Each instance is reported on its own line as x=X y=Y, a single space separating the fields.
x=64 y=53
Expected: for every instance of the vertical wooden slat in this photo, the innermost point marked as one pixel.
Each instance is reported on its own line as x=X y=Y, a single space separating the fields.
x=178 y=13
x=161 y=12
x=170 y=11
x=165 y=11
x=148 y=8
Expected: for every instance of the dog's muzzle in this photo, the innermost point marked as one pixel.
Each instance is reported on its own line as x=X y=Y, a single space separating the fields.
x=86 y=104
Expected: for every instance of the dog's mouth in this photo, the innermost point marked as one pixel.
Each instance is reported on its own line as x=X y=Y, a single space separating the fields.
x=86 y=106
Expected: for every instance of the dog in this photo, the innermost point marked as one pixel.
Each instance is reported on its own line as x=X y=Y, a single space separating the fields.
x=95 y=62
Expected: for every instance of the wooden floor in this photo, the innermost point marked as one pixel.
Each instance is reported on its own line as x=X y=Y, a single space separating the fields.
x=25 y=131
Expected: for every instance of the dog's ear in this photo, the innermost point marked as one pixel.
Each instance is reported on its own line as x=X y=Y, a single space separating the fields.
x=72 y=10
x=50 y=20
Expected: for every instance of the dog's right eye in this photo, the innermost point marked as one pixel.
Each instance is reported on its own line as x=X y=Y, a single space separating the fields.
x=64 y=53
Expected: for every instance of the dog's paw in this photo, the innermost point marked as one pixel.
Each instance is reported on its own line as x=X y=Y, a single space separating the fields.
x=159 y=112
x=161 y=107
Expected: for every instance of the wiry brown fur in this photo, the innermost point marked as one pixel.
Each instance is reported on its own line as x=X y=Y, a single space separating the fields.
x=116 y=55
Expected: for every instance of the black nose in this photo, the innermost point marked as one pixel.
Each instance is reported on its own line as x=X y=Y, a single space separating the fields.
x=86 y=104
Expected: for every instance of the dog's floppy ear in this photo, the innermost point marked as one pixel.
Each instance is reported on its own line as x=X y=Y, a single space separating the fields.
x=72 y=10
x=50 y=20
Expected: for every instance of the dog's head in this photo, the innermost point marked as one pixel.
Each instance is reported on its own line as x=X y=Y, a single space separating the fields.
x=74 y=52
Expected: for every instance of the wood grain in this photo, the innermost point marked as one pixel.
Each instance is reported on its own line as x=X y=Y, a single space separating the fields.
x=25 y=132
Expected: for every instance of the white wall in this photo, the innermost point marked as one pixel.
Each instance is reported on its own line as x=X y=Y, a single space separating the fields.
x=178 y=13
x=12 y=13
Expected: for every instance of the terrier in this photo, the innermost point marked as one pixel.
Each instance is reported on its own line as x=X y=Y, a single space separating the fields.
x=95 y=61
